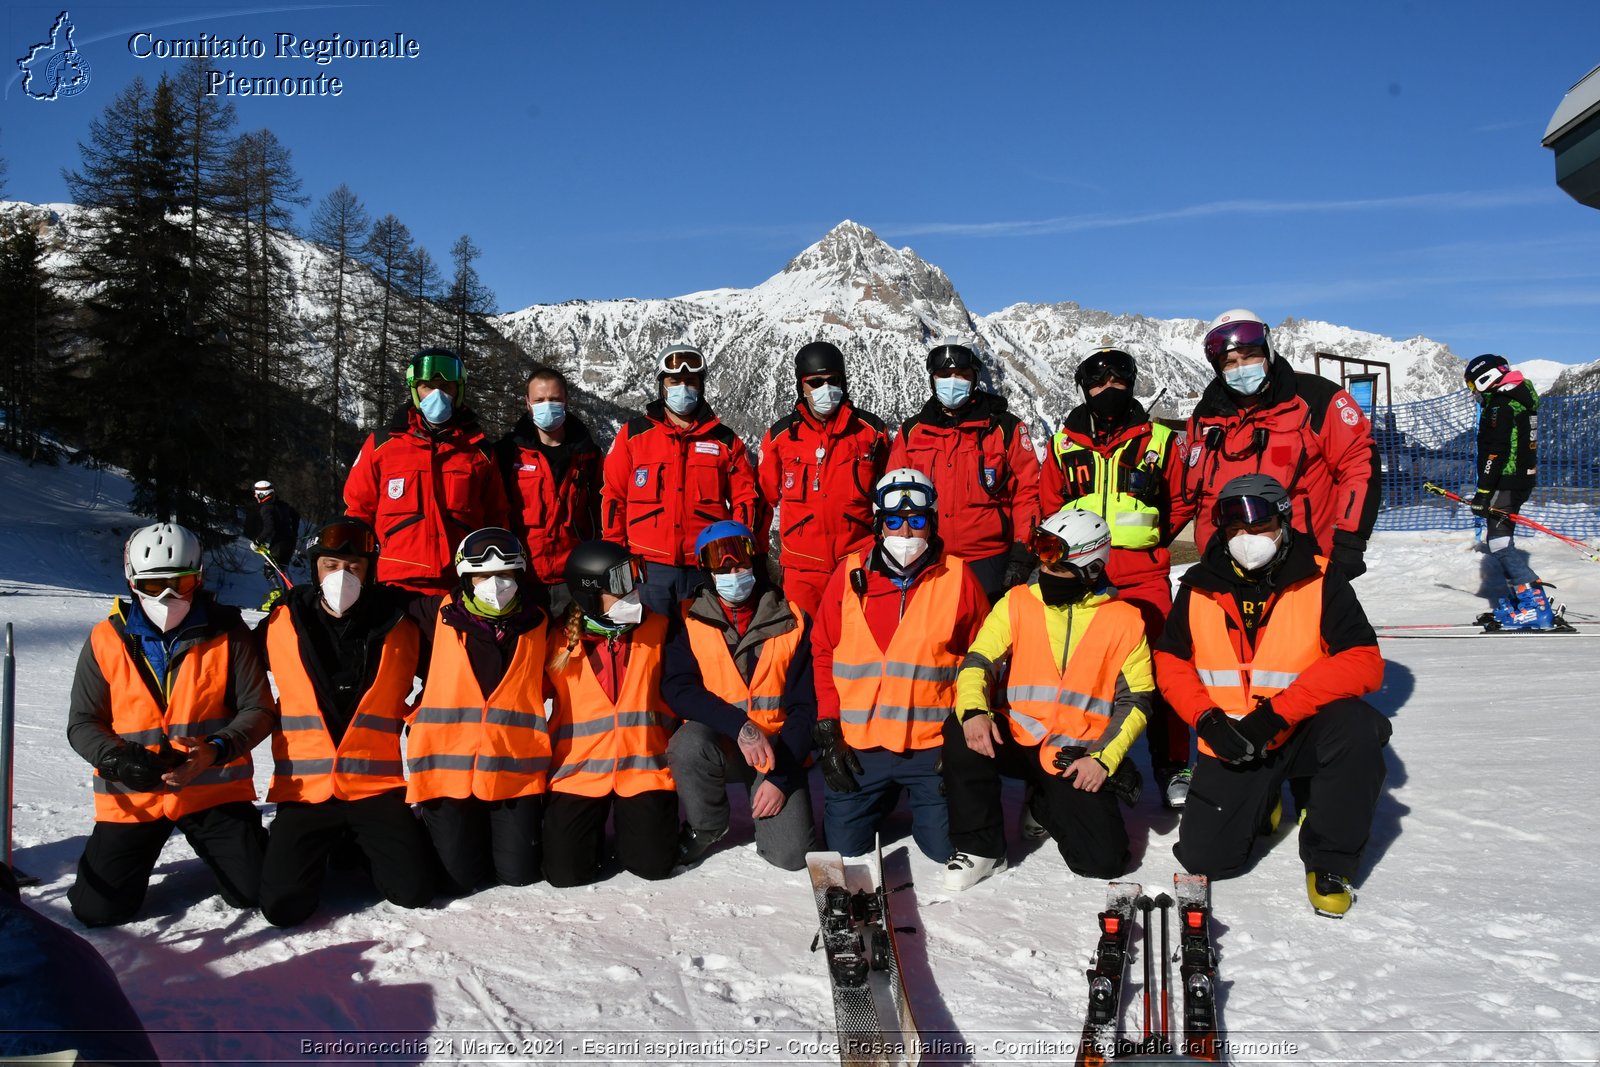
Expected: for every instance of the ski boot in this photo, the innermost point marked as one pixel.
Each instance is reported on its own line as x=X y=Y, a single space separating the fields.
x=1330 y=894
x=1029 y=828
x=1176 y=793
x=1530 y=611
x=694 y=844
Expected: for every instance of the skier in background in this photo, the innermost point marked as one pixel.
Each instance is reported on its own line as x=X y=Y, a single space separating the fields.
x=1508 y=469
x=818 y=466
x=274 y=533
x=1267 y=654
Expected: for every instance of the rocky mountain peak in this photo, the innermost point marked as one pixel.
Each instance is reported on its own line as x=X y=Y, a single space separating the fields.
x=851 y=257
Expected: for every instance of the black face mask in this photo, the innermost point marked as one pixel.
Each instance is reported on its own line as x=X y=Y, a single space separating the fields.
x=1110 y=406
x=1059 y=590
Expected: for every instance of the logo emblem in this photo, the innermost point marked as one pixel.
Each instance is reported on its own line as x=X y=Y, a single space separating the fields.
x=1194 y=455
x=1350 y=415
x=988 y=477
x=397 y=488
x=55 y=69
x=640 y=476
x=788 y=479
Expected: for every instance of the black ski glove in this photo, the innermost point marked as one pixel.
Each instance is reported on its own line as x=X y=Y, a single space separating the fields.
x=1019 y=567
x=1126 y=783
x=134 y=766
x=838 y=759
x=1261 y=725
x=1218 y=731
x=1480 y=502
x=1349 y=553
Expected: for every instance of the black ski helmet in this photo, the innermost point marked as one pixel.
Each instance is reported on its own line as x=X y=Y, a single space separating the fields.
x=1484 y=372
x=1252 y=498
x=818 y=357
x=343 y=536
x=596 y=567
x=1104 y=362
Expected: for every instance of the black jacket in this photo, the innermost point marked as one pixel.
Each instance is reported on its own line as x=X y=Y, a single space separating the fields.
x=1507 y=453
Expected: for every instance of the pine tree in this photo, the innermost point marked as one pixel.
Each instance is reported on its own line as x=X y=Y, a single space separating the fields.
x=420 y=281
x=340 y=224
x=468 y=299
x=33 y=335
x=387 y=250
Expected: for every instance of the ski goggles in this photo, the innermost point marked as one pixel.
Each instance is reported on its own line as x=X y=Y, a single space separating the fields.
x=1100 y=367
x=1486 y=379
x=903 y=495
x=345 y=537
x=1231 y=335
x=1245 y=511
x=682 y=359
x=159 y=588
x=727 y=554
x=491 y=548
x=952 y=358
x=620 y=580
x=427 y=366
x=1049 y=549
x=916 y=521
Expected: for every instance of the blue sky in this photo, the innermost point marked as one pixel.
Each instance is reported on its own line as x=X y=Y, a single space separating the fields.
x=1373 y=165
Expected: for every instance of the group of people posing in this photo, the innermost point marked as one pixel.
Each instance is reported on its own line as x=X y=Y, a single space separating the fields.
x=599 y=638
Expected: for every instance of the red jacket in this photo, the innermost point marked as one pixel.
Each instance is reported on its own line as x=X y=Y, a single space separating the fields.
x=1128 y=566
x=982 y=463
x=819 y=477
x=554 y=493
x=664 y=483
x=423 y=492
x=1308 y=433
x=884 y=604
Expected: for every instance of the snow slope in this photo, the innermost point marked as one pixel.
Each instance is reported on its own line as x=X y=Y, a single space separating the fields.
x=1472 y=941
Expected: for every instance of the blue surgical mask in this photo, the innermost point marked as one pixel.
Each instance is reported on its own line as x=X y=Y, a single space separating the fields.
x=952 y=392
x=548 y=414
x=826 y=401
x=436 y=407
x=735 y=587
x=1246 y=380
x=682 y=399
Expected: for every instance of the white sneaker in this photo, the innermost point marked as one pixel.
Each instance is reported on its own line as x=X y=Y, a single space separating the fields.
x=964 y=871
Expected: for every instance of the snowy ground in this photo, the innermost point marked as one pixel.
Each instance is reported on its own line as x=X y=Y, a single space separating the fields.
x=1473 y=939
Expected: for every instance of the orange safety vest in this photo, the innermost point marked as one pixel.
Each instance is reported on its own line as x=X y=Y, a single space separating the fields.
x=1055 y=708
x=1288 y=641
x=898 y=698
x=463 y=744
x=603 y=747
x=196 y=707
x=761 y=698
x=306 y=765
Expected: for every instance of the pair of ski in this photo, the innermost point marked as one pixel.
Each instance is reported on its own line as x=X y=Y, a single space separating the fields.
x=873 y=1019
x=1197 y=971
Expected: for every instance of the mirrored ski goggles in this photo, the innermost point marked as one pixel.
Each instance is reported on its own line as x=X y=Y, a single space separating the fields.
x=1245 y=511
x=1102 y=366
x=895 y=521
x=727 y=554
x=491 y=545
x=349 y=537
x=1049 y=548
x=179 y=585
x=1225 y=338
x=900 y=495
x=684 y=360
x=430 y=365
x=620 y=580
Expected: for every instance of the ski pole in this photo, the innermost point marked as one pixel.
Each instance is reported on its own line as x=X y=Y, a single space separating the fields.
x=1144 y=904
x=264 y=554
x=1164 y=902
x=8 y=726
x=1519 y=520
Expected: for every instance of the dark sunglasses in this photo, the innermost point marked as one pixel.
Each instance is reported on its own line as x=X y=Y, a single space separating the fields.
x=895 y=522
x=820 y=381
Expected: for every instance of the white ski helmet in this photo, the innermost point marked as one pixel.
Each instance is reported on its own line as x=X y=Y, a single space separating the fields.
x=162 y=550
x=904 y=489
x=1080 y=538
x=1235 y=329
x=263 y=489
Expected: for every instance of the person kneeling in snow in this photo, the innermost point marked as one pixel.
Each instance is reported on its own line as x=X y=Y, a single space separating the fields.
x=738 y=671
x=1079 y=690
x=169 y=698
x=1266 y=653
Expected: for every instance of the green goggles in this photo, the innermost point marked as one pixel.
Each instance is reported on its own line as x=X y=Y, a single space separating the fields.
x=428 y=366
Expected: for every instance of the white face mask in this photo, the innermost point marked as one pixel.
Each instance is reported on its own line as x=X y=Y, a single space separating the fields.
x=826 y=400
x=904 y=550
x=1252 y=551
x=340 y=591
x=629 y=611
x=166 y=612
x=496 y=592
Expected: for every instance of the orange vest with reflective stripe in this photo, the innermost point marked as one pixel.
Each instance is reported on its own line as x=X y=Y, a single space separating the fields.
x=603 y=747
x=898 y=698
x=463 y=744
x=306 y=765
x=1054 y=708
x=761 y=699
x=196 y=707
x=1287 y=642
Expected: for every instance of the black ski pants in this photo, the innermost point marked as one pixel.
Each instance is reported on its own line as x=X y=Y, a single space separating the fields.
x=305 y=836
x=114 y=871
x=645 y=827
x=1087 y=827
x=1334 y=759
x=477 y=840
